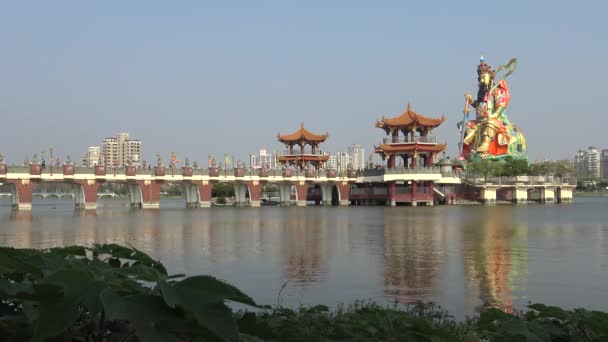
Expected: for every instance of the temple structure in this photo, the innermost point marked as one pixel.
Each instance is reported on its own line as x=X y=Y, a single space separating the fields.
x=302 y=157
x=408 y=137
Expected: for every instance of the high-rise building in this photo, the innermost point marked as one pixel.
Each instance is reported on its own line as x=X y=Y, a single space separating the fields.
x=339 y=161
x=264 y=158
x=357 y=154
x=120 y=150
x=587 y=162
x=604 y=164
x=92 y=157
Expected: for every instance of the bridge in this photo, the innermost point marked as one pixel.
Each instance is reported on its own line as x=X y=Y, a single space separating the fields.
x=197 y=184
x=411 y=186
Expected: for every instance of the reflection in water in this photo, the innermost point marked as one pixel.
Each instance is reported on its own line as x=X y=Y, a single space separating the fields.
x=495 y=256
x=462 y=257
x=304 y=247
x=412 y=256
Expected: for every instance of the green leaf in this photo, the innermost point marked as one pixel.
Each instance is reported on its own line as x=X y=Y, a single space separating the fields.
x=203 y=297
x=118 y=251
x=144 y=311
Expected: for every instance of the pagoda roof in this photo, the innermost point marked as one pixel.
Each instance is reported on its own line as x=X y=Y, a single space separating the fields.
x=416 y=147
x=410 y=118
x=302 y=134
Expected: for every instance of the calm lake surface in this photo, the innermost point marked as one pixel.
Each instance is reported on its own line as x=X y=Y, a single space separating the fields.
x=462 y=257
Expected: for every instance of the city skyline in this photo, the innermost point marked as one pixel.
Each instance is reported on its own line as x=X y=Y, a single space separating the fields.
x=200 y=79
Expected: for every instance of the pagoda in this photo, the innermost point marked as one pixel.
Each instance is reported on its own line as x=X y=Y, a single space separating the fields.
x=303 y=157
x=408 y=136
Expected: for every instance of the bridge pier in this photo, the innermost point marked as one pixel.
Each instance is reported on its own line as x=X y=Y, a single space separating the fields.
x=191 y=191
x=205 y=188
x=302 y=192
x=240 y=194
x=285 y=194
x=144 y=194
x=21 y=193
x=564 y=194
x=521 y=194
x=85 y=194
x=343 y=193
x=488 y=195
x=326 y=193
x=255 y=192
x=547 y=195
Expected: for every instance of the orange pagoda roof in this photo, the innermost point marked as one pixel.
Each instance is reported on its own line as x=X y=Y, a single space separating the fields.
x=416 y=147
x=302 y=134
x=410 y=118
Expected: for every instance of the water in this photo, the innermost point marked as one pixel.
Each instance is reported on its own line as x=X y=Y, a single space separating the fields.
x=462 y=257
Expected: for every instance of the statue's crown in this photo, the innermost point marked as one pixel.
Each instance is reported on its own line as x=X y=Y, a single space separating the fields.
x=484 y=68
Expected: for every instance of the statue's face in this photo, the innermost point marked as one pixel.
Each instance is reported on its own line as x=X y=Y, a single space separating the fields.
x=485 y=79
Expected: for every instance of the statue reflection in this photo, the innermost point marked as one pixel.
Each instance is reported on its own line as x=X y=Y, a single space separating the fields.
x=412 y=254
x=304 y=247
x=495 y=258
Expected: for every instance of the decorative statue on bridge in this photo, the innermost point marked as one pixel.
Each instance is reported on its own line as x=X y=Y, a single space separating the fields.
x=491 y=135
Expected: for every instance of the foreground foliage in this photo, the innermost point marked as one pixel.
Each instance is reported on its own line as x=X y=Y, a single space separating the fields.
x=115 y=293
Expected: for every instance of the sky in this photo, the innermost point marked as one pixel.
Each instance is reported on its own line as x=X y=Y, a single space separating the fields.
x=214 y=77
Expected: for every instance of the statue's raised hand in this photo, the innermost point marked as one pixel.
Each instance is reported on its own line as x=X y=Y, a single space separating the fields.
x=468 y=97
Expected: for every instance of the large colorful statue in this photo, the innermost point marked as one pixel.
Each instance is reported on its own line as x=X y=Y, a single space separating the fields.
x=491 y=135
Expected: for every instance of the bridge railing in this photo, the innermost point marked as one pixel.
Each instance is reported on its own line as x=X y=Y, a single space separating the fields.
x=399 y=171
x=405 y=139
x=525 y=180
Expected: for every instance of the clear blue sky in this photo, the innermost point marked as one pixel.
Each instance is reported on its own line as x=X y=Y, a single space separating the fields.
x=203 y=78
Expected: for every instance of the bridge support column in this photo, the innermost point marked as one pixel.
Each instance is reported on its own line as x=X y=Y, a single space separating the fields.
x=192 y=198
x=326 y=193
x=240 y=194
x=488 y=195
x=547 y=195
x=564 y=194
x=343 y=193
x=302 y=191
x=21 y=192
x=205 y=188
x=145 y=194
x=85 y=194
x=285 y=194
x=255 y=192
x=521 y=195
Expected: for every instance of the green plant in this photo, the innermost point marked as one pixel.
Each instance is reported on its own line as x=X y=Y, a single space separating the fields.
x=108 y=293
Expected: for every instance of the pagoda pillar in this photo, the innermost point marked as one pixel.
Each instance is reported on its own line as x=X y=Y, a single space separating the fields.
x=21 y=191
x=314 y=149
x=432 y=192
x=395 y=134
x=392 y=194
x=414 y=160
x=391 y=161
x=85 y=194
x=414 y=193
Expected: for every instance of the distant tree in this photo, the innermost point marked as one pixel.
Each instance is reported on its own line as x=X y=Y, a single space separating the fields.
x=223 y=190
x=514 y=167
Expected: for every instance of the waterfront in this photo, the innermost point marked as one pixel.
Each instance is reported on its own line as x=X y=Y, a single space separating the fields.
x=458 y=256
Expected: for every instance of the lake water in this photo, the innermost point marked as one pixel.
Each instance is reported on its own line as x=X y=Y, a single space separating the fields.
x=462 y=257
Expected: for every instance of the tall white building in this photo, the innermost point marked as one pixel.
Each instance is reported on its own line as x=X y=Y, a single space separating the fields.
x=120 y=150
x=264 y=158
x=357 y=154
x=604 y=164
x=339 y=161
x=587 y=162
x=92 y=157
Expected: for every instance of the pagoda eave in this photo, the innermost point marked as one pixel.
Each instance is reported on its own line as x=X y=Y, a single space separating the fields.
x=303 y=157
